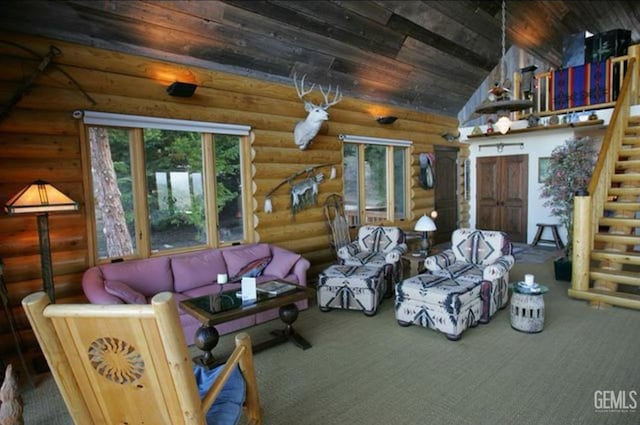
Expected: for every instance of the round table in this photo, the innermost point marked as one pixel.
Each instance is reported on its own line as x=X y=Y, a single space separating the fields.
x=527 y=308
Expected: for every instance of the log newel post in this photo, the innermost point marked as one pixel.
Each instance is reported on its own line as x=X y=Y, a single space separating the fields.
x=582 y=240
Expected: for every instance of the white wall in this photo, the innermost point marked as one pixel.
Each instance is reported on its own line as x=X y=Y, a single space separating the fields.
x=536 y=144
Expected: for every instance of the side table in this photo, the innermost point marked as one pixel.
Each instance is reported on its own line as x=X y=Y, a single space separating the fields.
x=527 y=308
x=416 y=262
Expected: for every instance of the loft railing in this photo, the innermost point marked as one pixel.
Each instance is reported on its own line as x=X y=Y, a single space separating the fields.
x=589 y=208
x=545 y=95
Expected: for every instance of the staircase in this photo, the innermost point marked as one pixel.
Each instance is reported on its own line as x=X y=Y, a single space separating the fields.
x=617 y=259
x=606 y=269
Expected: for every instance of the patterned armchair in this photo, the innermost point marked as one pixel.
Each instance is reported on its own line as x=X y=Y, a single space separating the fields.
x=378 y=246
x=477 y=255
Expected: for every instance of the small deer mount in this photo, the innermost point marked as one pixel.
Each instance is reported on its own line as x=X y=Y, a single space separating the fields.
x=307 y=129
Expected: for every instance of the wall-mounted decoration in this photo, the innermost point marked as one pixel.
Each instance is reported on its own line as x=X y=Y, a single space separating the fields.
x=307 y=129
x=543 y=169
x=427 y=170
x=467 y=179
x=304 y=192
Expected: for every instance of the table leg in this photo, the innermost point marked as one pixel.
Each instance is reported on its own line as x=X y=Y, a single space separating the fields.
x=288 y=314
x=206 y=338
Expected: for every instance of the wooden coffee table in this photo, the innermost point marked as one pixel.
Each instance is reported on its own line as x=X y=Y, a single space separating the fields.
x=222 y=307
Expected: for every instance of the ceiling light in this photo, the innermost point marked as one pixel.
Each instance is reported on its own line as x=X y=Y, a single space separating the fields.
x=503 y=124
x=499 y=99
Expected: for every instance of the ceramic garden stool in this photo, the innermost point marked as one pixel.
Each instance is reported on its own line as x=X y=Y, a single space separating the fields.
x=527 y=309
x=352 y=288
x=441 y=303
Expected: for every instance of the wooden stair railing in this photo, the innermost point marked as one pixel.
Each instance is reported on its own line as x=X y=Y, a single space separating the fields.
x=603 y=244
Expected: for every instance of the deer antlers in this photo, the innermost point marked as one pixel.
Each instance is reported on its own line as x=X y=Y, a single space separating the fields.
x=302 y=93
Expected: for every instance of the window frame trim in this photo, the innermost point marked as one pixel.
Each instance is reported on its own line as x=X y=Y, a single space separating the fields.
x=142 y=235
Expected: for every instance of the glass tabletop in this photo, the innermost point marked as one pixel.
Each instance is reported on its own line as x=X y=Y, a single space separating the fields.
x=229 y=301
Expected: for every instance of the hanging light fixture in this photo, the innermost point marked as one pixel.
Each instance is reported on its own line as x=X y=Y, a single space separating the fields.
x=499 y=100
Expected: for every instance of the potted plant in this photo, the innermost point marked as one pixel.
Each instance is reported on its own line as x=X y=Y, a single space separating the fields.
x=570 y=168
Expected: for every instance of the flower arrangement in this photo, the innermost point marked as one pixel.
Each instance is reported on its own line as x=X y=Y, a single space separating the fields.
x=570 y=169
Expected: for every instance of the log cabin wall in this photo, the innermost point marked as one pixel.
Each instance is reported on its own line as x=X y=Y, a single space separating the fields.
x=39 y=139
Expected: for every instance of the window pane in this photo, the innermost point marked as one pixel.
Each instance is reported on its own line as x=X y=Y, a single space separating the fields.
x=350 y=177
x=112 y=191
x=399 y=183
x=375 y=183
x=229 y=188
x=173 y=164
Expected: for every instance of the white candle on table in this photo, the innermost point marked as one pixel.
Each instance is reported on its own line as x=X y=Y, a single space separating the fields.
x=528 y=279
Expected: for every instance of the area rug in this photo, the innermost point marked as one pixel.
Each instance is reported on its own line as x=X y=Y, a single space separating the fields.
x=524 y=253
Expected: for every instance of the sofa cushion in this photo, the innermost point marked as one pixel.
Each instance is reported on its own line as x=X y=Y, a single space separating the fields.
x=237 y=257
x=123 y=291
x=281 y=262
x=149 y=276
x=193 y=270
x=251 y=269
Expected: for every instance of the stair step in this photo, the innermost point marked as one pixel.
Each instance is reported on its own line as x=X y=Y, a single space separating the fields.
x=631 y=140
x=630 y=164
x=617 y=276
x=619 y=221
x=621 y=299
x=624 y=191
x=627 y=177
x=622 y=206
x=616 y=256
x=618 y=239
x=629 y=152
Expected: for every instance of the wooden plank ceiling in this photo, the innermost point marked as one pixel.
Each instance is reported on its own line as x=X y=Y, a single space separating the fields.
x=425 y=55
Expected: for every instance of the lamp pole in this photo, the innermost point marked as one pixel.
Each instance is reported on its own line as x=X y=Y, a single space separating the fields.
x=45 y=256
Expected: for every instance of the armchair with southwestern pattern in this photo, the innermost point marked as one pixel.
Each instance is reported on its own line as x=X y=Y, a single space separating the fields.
x=477 y=255
x=378 y=246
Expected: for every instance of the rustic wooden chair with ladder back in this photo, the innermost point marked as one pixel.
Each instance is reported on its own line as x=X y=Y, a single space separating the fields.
x=129 y=364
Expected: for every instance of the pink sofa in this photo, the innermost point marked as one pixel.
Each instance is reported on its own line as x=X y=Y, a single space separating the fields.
x=194 y=274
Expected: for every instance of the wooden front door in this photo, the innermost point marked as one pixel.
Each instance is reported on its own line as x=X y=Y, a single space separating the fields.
x=446 y=193
x=502 y=194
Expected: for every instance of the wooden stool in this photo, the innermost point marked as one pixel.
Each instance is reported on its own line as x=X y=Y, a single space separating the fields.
x=554 y=231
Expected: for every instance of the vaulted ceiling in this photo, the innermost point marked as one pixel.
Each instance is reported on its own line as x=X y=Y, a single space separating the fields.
x=425 y=55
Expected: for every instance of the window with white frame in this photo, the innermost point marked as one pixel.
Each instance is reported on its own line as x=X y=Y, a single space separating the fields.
x=162 y=185
x=376 y=176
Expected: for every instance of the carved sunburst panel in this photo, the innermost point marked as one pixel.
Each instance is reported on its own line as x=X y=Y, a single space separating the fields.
x=116 y=360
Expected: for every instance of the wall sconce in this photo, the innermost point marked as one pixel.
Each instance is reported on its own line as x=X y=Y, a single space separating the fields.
x=386 y=120
x=181 y=89
x=500 y=146
x=42 y=198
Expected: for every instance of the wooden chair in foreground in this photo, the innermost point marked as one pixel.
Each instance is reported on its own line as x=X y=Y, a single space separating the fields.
x=129 y=364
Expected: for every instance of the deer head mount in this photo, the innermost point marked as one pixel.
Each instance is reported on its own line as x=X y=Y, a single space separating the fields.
x=307 y=129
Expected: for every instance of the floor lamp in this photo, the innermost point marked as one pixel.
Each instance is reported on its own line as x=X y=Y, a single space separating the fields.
x=42 y=198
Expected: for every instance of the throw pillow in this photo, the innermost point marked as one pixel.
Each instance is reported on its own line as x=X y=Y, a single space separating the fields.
x=125 y=292
x=282 y=262
x=251 y=269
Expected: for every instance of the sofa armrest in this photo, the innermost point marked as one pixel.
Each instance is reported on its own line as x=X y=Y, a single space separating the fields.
x=440 y=261
x=93 y=288
x=300 y=270
x=393 y=256
x=498 y=268
x=348 y=250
